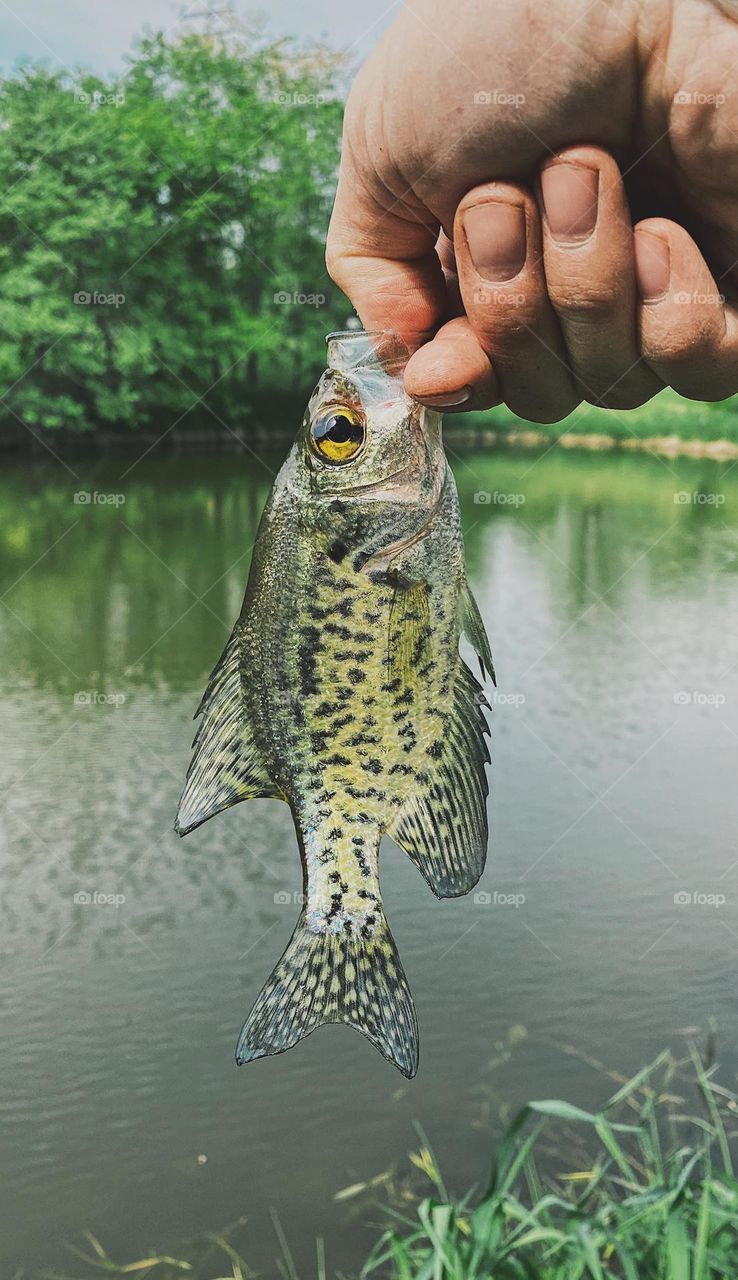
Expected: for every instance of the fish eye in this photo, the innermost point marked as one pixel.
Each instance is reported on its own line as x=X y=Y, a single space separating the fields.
x=338 y=435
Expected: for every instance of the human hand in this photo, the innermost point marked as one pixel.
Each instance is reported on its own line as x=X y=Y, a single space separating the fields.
x=535 y=286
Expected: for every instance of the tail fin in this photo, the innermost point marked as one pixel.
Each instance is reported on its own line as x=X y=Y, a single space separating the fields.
x=335 y=977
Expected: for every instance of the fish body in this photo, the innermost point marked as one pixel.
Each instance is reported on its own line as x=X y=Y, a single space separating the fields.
x=342 y=691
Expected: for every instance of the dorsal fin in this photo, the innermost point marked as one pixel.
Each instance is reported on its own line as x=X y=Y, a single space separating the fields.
x=442 y=825
x=226 y=764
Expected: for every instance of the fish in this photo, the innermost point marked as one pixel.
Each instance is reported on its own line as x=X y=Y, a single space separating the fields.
x=342 y=691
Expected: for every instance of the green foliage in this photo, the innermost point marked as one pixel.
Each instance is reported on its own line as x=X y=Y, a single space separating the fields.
x=659 y=1202
x=188 y=195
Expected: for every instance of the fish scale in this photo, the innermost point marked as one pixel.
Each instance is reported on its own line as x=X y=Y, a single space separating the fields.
x=342 y=691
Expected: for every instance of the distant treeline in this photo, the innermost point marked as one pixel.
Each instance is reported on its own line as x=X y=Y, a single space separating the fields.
x=162 y=235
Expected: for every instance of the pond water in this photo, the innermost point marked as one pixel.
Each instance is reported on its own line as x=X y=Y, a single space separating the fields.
x=608 y=584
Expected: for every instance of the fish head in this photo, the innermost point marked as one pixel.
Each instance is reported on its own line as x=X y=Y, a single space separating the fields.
x=367 y=453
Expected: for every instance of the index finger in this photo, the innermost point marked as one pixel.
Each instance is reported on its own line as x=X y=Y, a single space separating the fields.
x=380 y=251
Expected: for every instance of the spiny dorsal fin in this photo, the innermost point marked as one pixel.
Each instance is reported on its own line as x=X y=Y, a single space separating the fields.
x=226 y=765
x=473 y=628
x=442 y=826
x=335 y=977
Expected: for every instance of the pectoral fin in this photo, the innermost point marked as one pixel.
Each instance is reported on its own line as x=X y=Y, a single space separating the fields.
x=473 y=628
x=226 y=764
x=443 y=824
x=408 y=634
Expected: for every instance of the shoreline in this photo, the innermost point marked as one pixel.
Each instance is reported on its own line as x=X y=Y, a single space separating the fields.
x=104 y=444
x=673 y=446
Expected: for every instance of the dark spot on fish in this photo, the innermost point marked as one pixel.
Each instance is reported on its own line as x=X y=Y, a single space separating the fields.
x=338 y=759
x=345 y=608
x=335 y=833
x=372 y=766
x=357 y=675
x=337 y=551
x=435 y=750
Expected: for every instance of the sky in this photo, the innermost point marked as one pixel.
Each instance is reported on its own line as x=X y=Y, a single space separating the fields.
x=96 y=34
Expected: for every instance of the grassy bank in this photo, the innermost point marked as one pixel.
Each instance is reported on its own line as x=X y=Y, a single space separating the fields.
x=668 y=424
x=655 y=1198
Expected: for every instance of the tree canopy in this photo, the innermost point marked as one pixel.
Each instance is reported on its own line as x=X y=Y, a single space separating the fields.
x=162 y=234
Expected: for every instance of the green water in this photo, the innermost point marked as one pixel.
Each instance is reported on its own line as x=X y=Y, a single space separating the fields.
x=605 y=599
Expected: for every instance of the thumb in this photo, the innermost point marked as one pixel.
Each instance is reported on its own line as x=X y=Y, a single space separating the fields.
x=380 y=251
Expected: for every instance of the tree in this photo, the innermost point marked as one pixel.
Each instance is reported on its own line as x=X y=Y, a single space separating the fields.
x=161 y=236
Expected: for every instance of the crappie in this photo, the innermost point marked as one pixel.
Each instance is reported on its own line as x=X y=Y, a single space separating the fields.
x=342 y=691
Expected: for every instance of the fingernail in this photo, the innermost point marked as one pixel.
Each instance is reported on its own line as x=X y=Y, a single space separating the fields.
x=570 y=194
x=495 y=234
x=448 y=400
x=653 y=265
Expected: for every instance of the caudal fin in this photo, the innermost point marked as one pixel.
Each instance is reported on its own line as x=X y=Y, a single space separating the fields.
x=335 y=977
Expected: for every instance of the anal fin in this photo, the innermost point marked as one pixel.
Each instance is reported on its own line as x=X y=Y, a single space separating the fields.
x=226 y=764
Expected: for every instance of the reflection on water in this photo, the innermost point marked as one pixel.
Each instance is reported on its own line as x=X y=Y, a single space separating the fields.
x=608 y=586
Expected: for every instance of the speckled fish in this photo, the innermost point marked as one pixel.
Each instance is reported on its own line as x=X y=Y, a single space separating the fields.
x=343 y=692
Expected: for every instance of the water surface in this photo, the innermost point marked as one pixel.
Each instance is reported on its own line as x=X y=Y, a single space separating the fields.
x=608 y=586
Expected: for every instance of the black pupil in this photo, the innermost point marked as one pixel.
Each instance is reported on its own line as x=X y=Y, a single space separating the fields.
x=338 y=429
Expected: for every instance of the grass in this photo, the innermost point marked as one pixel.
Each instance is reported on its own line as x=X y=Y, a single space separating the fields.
x=656 y=1200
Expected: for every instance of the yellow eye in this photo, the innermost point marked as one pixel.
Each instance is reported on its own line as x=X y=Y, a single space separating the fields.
x=339 y=436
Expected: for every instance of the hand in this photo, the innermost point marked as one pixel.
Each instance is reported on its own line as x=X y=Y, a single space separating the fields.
x=534 y=288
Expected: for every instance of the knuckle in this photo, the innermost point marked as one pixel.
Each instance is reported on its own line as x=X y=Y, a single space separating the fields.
x=585 y=300
x=682 y=348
